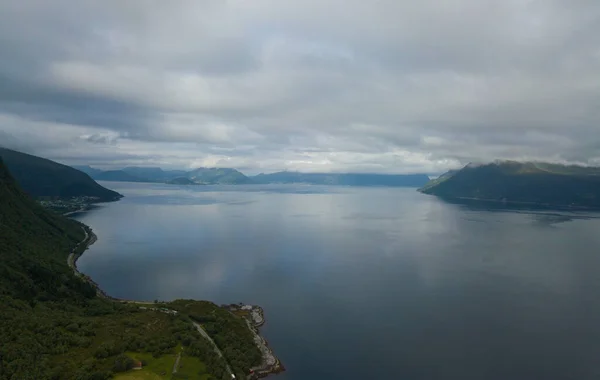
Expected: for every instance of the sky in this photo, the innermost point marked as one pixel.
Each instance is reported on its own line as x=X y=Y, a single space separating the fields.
x=388 y=86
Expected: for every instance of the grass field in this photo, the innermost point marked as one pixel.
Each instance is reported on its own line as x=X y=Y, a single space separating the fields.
x=140 y=375
x=191 y=368
x=162 y=368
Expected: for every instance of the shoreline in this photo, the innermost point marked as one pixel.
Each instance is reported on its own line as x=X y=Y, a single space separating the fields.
x=255 y=318
x=537 y=205
x=270 y=365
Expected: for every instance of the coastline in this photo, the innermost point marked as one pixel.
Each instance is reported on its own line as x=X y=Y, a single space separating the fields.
x=270 y=365
x=537 y=205
x=255 y=318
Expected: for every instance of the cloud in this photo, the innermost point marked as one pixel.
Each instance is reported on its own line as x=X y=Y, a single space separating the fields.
x=396 y=86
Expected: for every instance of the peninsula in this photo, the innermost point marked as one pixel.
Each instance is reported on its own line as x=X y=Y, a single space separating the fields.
x=58 y=324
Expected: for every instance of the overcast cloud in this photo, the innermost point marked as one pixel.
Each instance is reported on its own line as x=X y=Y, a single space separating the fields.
x=390 y=86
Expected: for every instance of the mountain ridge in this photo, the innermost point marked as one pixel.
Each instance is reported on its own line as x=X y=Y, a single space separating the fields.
x=40 y=177
x=535 y=183
x=344 y=179
x=202 y=176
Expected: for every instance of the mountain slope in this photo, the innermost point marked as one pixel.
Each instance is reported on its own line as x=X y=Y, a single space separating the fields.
x=530 y=183
x=40 y=177
x=21 y=217
x=438 y=180
x=347 y=179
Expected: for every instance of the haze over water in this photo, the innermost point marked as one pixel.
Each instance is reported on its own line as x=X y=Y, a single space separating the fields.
x=366 y=283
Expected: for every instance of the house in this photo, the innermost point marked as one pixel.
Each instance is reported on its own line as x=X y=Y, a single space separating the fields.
x=137 y=364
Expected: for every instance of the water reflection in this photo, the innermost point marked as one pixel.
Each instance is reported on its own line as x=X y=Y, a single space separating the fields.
x=367 y=283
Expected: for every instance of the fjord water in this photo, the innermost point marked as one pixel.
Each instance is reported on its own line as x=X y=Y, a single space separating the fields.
x=366 y=283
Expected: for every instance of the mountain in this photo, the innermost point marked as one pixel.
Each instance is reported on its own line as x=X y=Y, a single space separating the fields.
x=221 y=176
x=40 y=177
x=181 y=181
x=540 y=184
x=117 y=175
x=205 y=176
x=346 y=179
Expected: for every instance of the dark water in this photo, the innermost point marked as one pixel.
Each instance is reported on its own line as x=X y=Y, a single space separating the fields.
x=361 y=283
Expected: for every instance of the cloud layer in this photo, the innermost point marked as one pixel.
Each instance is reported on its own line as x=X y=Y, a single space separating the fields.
x=390 y=86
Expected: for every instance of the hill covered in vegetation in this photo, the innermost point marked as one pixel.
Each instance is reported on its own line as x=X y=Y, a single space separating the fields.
x=347 y=179
x=541 y=184
x=40 y=177
x=55 y=325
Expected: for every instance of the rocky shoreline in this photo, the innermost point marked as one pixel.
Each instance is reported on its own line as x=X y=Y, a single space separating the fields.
x=255 y=318
x=80 y=248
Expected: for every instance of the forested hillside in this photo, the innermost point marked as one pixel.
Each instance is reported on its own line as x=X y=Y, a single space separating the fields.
x=548 y=185
x=54 y=326
x=40 y=177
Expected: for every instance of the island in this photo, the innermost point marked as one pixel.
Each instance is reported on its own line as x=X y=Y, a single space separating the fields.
x=526 y=184
x=58 y=324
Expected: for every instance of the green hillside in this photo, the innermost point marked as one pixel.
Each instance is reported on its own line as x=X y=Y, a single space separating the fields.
x=40 y=177
x=55 y=326
x=548 y=185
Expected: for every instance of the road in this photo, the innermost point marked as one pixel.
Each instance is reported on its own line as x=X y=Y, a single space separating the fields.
x=204 y=334
x=176 y=365
x=71 y=258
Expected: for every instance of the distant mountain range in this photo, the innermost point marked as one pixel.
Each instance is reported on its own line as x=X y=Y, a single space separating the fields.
x=345 y=179
x=210 y=176
x=502 y=182
x=199 y=176
x=528 y=183
x=40 y=177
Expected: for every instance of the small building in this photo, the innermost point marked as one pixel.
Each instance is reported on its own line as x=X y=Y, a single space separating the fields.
x=137 y=364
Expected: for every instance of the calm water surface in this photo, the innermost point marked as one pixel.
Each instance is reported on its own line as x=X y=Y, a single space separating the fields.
x=367 y=283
